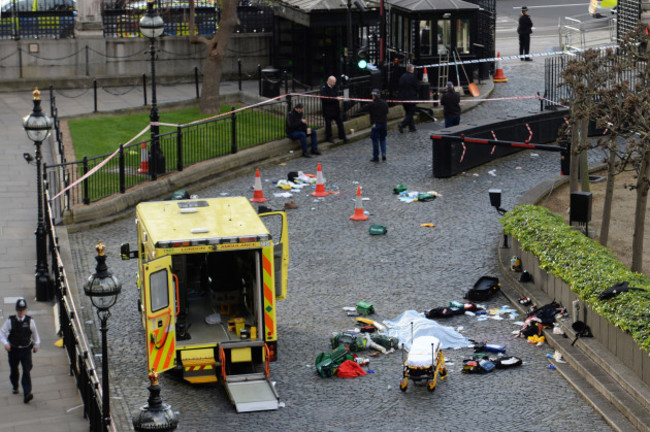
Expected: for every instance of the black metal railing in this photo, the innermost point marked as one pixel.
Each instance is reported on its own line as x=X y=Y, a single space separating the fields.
x=80 y=355
x=121 y=20
x=555 y=92
x=37 y=25
x=628 y=14
x=183 y=146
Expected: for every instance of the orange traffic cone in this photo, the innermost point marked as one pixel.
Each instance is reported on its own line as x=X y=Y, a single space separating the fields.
x=358 y=215
x=144 y=160
x=320 y=184
x=425 y=76
x=258 y=195
x=499 y=76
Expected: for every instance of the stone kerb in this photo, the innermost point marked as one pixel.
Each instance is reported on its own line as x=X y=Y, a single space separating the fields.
x=616 y=341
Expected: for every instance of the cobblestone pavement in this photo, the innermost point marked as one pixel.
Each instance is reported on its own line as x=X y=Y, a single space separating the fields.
x=334 y=262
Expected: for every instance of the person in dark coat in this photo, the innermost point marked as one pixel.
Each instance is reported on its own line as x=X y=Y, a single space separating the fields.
x=524 y=29
x=408 y=90
x=450 y=101
x=378 y=110
x=297 y=130
x=331 y=109
x=20 y=337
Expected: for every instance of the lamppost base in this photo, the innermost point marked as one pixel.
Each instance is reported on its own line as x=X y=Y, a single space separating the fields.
x=43 y=287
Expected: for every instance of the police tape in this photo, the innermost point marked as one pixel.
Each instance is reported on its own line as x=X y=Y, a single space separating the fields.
x=515 y=57
x=268 y=101
x=98 y=166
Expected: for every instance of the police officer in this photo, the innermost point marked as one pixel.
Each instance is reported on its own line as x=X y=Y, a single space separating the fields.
x=524 y=29
x=20 y=336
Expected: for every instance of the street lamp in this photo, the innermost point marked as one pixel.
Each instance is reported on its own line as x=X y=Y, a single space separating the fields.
x=156 y=416
x=152 y=26
x=38 y=126
x=103 y=288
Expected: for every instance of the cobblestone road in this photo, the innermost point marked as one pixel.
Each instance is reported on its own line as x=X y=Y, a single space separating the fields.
x=334 y=262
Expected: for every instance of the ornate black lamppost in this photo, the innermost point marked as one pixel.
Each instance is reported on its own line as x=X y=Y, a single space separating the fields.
x=103 y=288
x=38 y=126
x=152 y=26
x=156 y=416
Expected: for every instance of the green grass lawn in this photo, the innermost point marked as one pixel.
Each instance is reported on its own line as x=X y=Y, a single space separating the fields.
x=96 y=136
x=93 y=137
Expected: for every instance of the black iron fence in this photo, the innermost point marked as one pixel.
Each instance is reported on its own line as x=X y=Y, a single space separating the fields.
x=628 y=14
x=121 y=20
x=37 y=25
x=555 y=93
x=80 y=355
x=181 y=146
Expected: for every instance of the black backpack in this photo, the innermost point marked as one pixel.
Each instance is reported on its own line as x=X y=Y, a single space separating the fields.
x=483 y=289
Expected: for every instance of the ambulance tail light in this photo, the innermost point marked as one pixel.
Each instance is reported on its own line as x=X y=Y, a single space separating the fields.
x=272 y=351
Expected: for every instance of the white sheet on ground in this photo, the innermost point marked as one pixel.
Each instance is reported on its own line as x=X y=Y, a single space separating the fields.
x=400 y=327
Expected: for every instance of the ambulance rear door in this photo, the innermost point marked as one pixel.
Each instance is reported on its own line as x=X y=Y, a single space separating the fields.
x=276 y=223
x=160 y=313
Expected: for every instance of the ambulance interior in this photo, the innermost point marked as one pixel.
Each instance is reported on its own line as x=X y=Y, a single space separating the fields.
x=217 y=297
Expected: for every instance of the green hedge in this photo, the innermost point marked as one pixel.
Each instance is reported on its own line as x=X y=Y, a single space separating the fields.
x=588 y=267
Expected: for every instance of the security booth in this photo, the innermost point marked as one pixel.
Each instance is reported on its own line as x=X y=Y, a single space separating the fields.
x=314 y=39
x=436 y=32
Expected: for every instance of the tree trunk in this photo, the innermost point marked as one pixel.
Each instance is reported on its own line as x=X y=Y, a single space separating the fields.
x=639 y=213
x=584 y=162
x=574 y=162
x=216 y=51
x=609 y=193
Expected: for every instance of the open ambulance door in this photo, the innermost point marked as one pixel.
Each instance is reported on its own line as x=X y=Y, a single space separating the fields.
x=160 y=313
x=276 y=222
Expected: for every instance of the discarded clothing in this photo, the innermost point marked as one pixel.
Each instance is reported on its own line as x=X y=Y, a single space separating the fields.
x=349 y=369
x=615 y=290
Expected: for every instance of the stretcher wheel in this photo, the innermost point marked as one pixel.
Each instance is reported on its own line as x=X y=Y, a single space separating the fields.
x=443 y=372
x=403 y=384
x=431 y=385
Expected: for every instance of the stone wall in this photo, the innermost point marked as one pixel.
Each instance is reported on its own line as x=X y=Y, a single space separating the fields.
x=76 y=62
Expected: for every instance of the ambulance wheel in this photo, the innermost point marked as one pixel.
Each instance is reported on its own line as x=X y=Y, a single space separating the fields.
x=403 y=384
x=431 y=385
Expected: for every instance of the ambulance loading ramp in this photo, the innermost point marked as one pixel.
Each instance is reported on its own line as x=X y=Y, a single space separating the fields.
x=253 y=392
x=245 y=376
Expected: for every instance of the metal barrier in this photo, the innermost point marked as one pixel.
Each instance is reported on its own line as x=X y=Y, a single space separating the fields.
x=123 y=22
x=80 y=356
x=555 y=93
x=580 y=32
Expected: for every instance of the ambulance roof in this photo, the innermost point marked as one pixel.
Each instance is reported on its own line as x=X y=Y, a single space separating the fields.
x=200 y=219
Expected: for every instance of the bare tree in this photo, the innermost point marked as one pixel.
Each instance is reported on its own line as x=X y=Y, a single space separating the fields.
x=216 y=48
x=634 y=105
x=611 y=116
x=583 y=76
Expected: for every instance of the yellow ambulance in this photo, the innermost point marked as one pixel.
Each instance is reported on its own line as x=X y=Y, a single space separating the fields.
x=209 y=274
